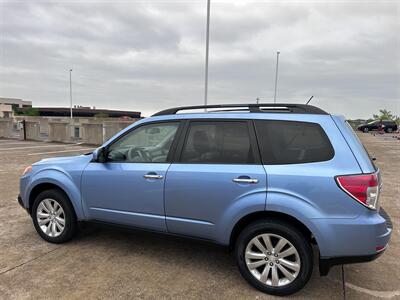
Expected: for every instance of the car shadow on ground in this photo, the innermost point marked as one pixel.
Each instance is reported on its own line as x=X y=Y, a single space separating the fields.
x=181 y=255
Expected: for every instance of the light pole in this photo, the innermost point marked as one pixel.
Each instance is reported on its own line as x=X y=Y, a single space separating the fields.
x=207 y=46
x=276 y=74
x=70 y=91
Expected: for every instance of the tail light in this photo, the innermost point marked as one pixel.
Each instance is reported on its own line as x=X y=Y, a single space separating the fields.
x=364 y=188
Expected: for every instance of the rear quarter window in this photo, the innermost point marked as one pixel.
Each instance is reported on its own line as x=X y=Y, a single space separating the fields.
x=292 y=142
x=356 y=138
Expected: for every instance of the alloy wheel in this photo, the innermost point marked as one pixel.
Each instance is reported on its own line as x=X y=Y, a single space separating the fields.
x=272 y=260
x=50 y=217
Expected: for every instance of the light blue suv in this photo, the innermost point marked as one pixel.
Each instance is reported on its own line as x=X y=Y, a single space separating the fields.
x=268 y=180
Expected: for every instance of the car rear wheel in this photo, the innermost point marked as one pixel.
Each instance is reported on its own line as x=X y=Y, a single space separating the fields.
x=274 y=257
x=54 y=217
x=389 y=130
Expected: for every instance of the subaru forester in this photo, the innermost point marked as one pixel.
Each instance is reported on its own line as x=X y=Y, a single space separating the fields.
x=271 y=181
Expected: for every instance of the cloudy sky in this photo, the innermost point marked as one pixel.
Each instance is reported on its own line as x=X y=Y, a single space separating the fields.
x=149 y=55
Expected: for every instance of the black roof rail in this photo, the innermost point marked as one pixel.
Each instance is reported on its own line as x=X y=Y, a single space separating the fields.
x=253 y=108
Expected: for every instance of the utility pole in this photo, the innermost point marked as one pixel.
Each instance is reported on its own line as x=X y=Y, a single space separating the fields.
x=70 y=91
x=207 y=46
x=276 y=74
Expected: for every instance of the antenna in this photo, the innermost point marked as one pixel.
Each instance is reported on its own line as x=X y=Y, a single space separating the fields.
x=309 y=100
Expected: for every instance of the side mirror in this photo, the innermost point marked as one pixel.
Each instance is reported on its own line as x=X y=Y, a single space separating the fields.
x=100 y=155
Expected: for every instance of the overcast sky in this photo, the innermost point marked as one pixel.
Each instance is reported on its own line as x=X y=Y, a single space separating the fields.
x=149 y=55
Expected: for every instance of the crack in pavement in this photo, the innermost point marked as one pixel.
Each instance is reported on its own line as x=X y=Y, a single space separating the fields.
x=28 y=261
x=343 y=284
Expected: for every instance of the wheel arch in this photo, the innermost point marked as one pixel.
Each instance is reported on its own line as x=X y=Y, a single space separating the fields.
x=41 y=187
x=252 y=217
x=73 y=195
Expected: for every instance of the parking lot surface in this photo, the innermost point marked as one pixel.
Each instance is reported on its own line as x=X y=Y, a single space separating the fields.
x=107 y=262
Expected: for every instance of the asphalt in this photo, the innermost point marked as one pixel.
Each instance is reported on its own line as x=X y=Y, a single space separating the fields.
x=103 y=262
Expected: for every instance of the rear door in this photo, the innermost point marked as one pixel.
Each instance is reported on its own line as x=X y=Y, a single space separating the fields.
x=375 y=125
x=389 y=125
x=218 y=165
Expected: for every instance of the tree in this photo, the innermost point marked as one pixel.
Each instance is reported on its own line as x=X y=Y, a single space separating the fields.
x=31 y=111
x=101 y=115
x=384 y=114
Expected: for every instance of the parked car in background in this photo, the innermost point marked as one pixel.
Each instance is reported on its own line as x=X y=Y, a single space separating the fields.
x=386 y=125
x=267 y=180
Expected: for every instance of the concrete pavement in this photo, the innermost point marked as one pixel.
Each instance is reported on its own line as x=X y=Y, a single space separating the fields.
x=112 y=263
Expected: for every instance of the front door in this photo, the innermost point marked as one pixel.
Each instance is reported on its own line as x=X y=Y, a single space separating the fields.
x=129 y=187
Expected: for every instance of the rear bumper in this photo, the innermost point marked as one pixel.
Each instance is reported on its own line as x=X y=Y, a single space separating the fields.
x=326 y=263
x=380 y=241
x=384 y=215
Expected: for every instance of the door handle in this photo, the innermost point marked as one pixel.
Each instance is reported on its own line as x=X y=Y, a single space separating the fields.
x=245 y=180
x=153 y=176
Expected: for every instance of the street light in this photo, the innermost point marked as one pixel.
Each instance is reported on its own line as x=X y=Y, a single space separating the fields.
x=207 y=46
x=276 y=74
x=70 y=91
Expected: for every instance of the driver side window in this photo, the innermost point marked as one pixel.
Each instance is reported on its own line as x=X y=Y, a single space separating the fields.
x=146 y=144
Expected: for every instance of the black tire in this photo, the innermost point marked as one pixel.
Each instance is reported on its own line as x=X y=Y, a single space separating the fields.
x=389 y=130
x=365 y=130
x=69 y=216
x=290 y=233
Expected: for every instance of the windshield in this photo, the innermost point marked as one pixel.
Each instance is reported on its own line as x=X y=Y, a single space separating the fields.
x=373 y=122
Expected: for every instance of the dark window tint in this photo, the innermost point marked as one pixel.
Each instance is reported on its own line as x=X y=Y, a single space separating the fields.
x=218 y=142
x=388 y=122
x=289 y=142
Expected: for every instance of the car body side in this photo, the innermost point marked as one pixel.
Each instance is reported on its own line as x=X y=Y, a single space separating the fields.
x=306 y=192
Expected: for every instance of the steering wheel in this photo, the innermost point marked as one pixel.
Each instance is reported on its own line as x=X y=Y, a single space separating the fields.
x=135 y=153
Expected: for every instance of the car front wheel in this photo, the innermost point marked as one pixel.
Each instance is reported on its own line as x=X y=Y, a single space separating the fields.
x=366 y=130
x=274 y=257
x=54 y=217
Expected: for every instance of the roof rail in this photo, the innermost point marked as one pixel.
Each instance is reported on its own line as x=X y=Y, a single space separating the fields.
x=253 y=108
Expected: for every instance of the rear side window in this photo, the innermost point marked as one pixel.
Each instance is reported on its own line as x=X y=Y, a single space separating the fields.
x=218 y=142
x=388 y=122
x=291 y=142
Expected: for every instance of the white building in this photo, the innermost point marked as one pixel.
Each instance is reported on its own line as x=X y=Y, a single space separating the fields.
x=7 y=105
